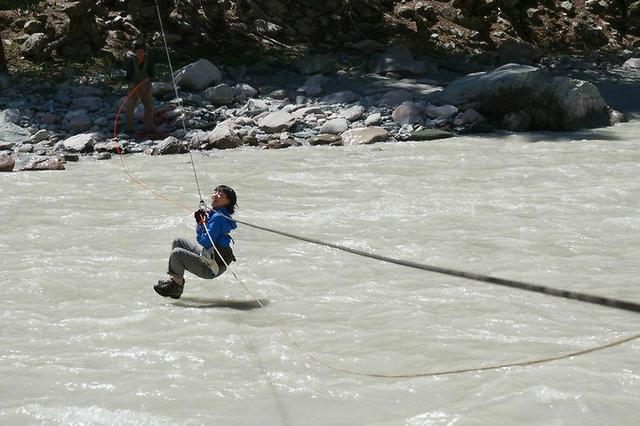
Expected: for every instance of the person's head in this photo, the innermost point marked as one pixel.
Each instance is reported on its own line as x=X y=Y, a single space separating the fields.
x=224 y=196
x=138 y=49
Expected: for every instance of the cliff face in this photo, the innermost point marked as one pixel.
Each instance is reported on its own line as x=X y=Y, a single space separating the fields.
x=77 y=29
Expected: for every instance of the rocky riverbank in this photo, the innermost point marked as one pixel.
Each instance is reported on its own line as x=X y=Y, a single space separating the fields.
x=393 y=97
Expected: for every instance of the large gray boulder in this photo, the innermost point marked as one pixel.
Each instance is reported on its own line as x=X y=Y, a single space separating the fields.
x=82 y=143
x=11 y=134
x=277 y=122
x=223 y=136
x=198 y=75
x=553 y=103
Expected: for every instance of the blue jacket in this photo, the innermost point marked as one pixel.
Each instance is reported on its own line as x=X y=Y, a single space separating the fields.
x=218 y=227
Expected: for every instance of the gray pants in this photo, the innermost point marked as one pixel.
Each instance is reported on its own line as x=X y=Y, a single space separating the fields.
x=186 y=255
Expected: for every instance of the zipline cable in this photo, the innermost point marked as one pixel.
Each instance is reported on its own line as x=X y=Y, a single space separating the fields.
x=567 y=294
x=178 y=98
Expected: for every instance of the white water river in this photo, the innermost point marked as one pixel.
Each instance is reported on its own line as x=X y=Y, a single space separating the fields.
x=85 y=340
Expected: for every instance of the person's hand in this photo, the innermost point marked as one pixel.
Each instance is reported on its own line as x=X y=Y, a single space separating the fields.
x=199 y=216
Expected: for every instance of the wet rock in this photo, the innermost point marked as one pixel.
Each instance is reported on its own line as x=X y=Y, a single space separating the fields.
x=365 y=135
x=108 y=146
x=430 y=135
x=324 y=139
x=7 y=163
x=43 y=163
x=170 y=145
x=278 y=144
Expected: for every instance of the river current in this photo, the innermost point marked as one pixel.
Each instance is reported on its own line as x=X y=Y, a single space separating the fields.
x=85 y=340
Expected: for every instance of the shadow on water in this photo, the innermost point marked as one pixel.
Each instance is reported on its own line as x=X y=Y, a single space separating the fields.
x=207 y=303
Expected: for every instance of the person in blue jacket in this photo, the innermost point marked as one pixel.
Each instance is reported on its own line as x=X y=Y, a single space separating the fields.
x=210 y=257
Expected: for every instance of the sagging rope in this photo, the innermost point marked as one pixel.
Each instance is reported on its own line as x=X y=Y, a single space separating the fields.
x=584 y=297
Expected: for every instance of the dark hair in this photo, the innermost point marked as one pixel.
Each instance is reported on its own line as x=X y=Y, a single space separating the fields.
x=231 y=195
x=138 y=44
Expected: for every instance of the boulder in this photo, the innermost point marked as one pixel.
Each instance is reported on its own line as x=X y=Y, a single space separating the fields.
x=430 y=135
x=373 y=119
x=443 y=111
x=335 y=126
x=11 y=135
x=314 y=85
x=43 y=163
x=324 y=139
x=77 y=121
x=220 y=95
x=364 y=135
x=34 y=45
x=7 y=163
x=198 y=75
x=353 y=113
x=631 y=63
x=243 y=91
x=161 y=88
x=554 y=103
x=170 y=145
x=407 y=113
x=276 y=122
x=223 y=136
x=10 y=116
x=82 y=143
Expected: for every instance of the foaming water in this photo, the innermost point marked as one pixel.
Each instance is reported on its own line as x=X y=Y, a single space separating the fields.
x=85 y=340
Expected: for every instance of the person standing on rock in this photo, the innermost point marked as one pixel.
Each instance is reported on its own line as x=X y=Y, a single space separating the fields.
x=211 y=257
x=139 y=76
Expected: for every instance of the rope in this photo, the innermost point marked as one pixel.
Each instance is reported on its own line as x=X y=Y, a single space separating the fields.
x=178 y=98
x=567 y=294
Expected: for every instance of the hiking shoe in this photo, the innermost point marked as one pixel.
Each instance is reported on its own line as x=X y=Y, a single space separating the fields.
x=169 y=288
